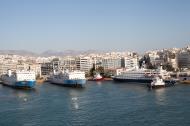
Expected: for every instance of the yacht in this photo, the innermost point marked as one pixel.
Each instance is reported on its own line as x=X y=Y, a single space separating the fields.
x=141 y=75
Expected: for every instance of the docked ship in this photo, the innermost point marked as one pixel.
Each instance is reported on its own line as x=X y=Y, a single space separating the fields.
x=142 y=75
x=71 y=79
x=19 y=79
x=98 y=77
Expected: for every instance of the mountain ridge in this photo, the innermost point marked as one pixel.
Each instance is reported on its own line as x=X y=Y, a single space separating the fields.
x=50 y=52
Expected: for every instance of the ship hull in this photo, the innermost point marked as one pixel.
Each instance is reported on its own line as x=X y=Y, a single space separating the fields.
x=168 y=82
x=20 y=84
x=70 y=83
x=155 y=86
x=133 y=80
x=98 y=79
x=185 y=82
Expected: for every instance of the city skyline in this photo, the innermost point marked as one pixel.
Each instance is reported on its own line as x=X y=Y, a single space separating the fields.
x=121 y=25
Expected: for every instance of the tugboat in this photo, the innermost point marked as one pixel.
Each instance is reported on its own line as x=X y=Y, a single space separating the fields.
x=98 y=77
x=156 y=83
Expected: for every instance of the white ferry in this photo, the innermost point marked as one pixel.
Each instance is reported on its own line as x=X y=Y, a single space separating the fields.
x=73 y=79
x=19 y=79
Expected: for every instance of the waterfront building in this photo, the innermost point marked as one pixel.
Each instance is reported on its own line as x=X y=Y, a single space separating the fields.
x=129 y=62
x=36 y=67
x=46 y=69
x=6 y=64
x=111 y=62
x=154 y=57
x=184 y=60
x=56 y=64
x=84 y=64
x=97 y=62
x=43 y=60
x=68 y=63
x=173 y=60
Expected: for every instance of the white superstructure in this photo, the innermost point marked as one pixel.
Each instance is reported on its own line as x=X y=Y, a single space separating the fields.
x=141 y=75
x=74 y=78
x=75 y=75
x=70 y=75
x=25 y=75
x=157 y=82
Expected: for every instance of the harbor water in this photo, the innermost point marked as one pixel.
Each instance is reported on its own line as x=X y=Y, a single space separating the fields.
x=104 y=103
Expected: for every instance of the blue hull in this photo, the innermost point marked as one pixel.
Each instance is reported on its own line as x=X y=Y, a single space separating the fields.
x=25 y=84
x=22 y=84
x=71 y=83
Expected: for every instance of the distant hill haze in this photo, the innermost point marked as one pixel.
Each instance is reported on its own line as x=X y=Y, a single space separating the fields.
x=18 y=52
x=49 y=52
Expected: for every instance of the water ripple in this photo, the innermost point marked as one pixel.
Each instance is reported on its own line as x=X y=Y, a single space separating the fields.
x=108 y=103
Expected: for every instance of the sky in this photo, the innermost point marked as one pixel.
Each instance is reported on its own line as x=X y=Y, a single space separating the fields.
x=121 y=25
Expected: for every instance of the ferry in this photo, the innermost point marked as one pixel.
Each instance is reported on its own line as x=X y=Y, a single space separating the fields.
x=19 y=79
x=71 y=79
x=142 y=75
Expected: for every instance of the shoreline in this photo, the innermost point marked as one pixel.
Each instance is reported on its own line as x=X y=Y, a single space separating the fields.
x=105 y=79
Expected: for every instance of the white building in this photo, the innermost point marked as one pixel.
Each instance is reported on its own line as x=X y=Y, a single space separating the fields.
x=68 y=63
x=84 y=64
x=129 y=62
x=184 y=60
x=111 y=62
x=7 y=64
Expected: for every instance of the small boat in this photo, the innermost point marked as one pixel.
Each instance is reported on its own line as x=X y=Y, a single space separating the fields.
x=185 y=81
x=98 y=77
x=40 y=80
x=157 y=83
x=184 y=77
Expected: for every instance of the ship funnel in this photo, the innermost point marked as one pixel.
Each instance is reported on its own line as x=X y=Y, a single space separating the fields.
x=9 y=73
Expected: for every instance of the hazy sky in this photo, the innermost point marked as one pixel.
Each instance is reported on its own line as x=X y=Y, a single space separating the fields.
x=139 y=25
